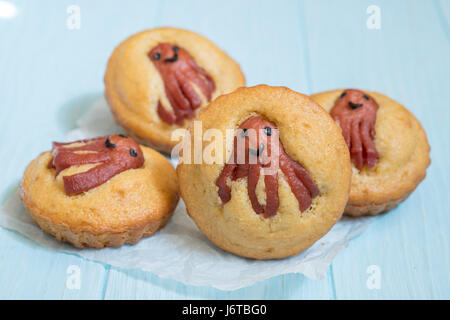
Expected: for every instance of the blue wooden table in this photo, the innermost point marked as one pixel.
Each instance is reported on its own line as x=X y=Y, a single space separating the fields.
x=51 y=70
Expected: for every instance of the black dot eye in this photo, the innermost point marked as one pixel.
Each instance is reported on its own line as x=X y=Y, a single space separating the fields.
x=343 y=94
x=244 y=133
x=176 y=48
x=133 y=153
x=365 y=96
x=109 y=144
x=122 y=135
x=268 y=131
x=157 y=56
x=354 y=105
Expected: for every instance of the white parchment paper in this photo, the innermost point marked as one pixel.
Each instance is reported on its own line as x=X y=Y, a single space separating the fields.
x=179 y=251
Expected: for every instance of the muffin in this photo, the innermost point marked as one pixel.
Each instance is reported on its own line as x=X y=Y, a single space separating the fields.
x=388 y=146
x=157 y=80
x=274 y=178
x=100 y=192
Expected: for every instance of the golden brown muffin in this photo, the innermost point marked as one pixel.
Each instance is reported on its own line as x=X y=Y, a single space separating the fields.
x=157 y=80
x=279 y=214
x=132 y=204
x=401 y=150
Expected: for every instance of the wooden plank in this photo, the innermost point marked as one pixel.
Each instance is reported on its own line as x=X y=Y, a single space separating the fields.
x=35 y=82
x=430 y=96
x=32 y=272
x=410 y=244
x=443 y=11
x=134 y=284
x=309 y=46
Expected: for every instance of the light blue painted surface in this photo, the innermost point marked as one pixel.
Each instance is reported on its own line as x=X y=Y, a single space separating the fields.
x=49 y=74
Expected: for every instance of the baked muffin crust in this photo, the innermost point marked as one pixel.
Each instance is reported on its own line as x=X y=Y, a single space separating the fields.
x=309 y=136
x=403 y=157
x=131 y=205
x=134 y=88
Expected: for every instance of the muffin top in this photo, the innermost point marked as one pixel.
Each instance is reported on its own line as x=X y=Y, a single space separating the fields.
x=157 y=80
x=308 y=139
x=127 y=199
x=402 y=150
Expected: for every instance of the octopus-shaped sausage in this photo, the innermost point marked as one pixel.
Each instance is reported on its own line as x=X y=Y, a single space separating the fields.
x=257 y=155
x=356 y=113
x=113 y=154
x=180 y=73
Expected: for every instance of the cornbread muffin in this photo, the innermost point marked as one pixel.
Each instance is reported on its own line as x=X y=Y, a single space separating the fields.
x=157 y=80
x=279 y=177
x=101 y=192
x=388 y=145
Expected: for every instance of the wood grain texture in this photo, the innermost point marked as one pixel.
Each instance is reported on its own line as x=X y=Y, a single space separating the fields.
x=401 y=60
x=49 y=75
